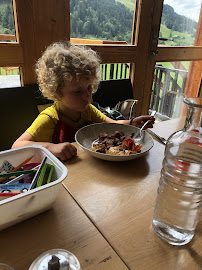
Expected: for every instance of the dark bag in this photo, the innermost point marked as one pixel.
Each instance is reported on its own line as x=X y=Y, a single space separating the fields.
x=111 y=113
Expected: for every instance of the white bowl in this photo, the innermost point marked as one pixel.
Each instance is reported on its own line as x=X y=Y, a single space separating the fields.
x=86 y=135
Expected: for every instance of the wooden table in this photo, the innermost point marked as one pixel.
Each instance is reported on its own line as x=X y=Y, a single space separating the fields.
x=104 y=218
x=64 y=226
x=119 y=198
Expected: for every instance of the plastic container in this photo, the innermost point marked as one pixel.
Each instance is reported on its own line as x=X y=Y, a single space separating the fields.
x=179 y=195
x=25 y=205
x=56 y=259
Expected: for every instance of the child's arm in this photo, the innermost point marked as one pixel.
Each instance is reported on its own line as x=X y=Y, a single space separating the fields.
x=61 y=150
x=137 y=121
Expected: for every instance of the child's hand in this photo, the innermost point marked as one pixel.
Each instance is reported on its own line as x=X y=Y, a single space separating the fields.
x=63 y=150
x=140 y=120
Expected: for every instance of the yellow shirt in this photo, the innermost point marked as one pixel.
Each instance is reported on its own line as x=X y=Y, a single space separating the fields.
x=43 y=127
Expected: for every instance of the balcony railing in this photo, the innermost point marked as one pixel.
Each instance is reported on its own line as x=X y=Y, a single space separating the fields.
x=168 y=105
x=114 y=71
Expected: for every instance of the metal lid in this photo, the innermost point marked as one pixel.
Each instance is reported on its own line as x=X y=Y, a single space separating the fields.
x=56 y=259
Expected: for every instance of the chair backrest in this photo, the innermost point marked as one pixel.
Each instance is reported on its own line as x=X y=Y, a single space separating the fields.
x=110 y=92
x=18 y=110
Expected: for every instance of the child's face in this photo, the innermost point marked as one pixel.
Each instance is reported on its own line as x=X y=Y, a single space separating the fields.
x=76 y=95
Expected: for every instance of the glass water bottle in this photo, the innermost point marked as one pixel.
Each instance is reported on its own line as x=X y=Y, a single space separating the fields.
x=179 y=195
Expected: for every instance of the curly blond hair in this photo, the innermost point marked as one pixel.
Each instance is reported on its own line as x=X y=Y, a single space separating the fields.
x=64 y=61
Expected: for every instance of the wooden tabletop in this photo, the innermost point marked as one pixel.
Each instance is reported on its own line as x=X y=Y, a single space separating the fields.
x=64 y=226
x=119 y=198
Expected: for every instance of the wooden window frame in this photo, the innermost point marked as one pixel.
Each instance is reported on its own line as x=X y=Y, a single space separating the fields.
x=39 y=23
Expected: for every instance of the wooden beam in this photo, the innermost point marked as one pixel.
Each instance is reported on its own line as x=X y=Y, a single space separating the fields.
x=85 y=41
x=168 y=54
x=7 y=37
x=11 y=54
x=149 y=25
x=116 y=53
x=195 y=70
x=135 y=26
x=94 y=41
x=39 y=23
x=134 y=35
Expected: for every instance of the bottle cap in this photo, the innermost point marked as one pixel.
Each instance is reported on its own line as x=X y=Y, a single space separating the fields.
x=56 y=259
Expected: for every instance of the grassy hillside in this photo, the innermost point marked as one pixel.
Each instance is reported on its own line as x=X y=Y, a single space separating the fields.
x=128 y=3
x=176 y=38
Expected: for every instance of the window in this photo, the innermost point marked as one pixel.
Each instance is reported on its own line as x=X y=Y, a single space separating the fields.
x=101 y=20
x=179 y=22
x=7 y=30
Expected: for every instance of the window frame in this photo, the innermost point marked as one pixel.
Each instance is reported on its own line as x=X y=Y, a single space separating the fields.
x=33 y=34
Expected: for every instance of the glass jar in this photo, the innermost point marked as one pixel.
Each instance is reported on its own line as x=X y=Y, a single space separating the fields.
x=179 y=194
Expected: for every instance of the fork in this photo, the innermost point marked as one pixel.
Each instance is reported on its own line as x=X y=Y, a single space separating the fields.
x=140 y=137
x=161 y=139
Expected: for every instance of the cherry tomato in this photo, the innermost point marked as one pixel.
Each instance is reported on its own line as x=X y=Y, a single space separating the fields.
x=129 y=144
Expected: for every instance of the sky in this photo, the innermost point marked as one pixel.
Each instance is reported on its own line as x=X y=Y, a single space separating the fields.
x=188 y=8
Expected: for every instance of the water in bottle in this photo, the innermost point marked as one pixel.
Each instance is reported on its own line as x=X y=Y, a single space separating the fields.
x=179 y=195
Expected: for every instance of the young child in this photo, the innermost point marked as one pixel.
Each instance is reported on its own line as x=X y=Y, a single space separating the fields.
x=67 y=74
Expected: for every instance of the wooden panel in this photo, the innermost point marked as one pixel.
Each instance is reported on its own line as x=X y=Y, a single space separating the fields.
x=39 y=24
x=116 y=53
x=85 y=41
x=149 y=73
x=56 y=25
x=195 y=70
x=7 y=37
x=120 y=197
x=25 y=36
x=144 y=66
x=11 y=54
x=200 y=93
x=193 y=79
x=94 y=41
x=167 y=54
x=114 y=42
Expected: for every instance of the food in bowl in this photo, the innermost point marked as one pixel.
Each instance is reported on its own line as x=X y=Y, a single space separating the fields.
x=115 y=144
